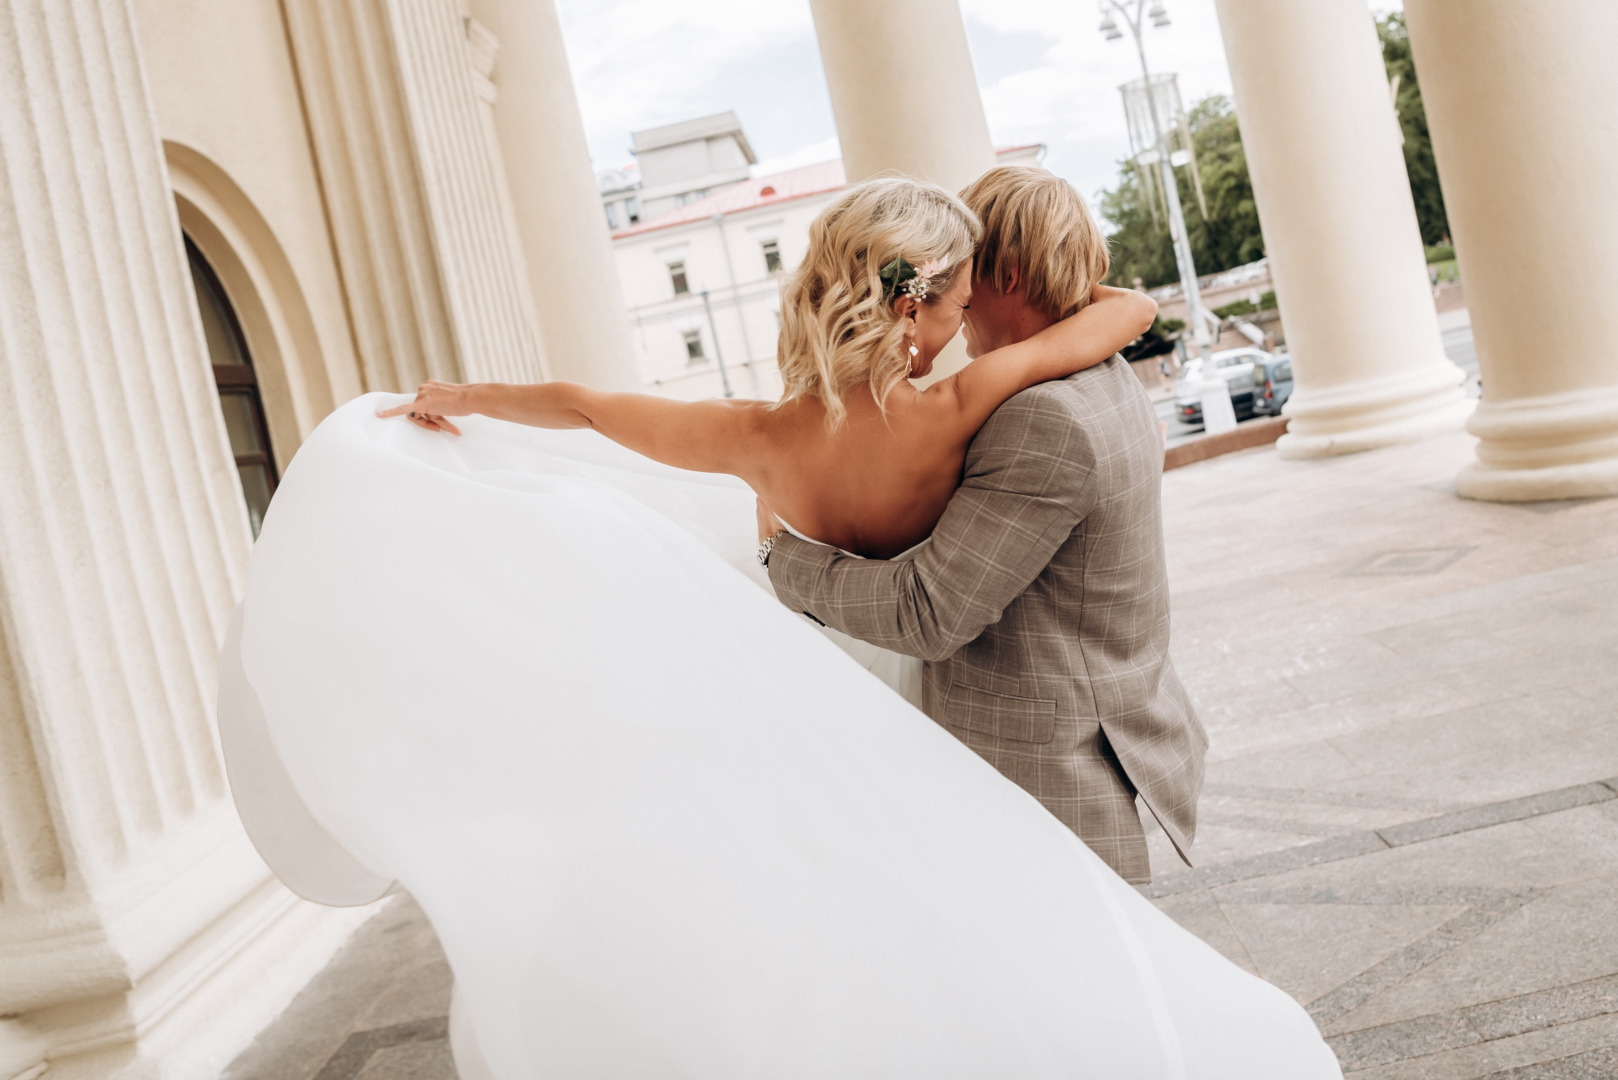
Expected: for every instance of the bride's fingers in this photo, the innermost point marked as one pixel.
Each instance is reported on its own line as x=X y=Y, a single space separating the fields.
x=397 y=410
x=446 y=425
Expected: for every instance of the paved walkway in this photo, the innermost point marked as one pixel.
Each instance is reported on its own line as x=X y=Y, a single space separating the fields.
x=1411 y=818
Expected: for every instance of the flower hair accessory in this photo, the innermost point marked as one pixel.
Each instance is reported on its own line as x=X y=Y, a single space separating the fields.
x=900 y=277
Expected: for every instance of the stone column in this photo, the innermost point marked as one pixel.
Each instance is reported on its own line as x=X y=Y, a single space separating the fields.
x=1340 y=227
x=571 y=275
x=1520 y=101
x=424 y=238
x=136 y=922
x=903 y=89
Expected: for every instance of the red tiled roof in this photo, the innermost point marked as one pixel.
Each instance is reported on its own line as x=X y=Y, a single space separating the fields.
x=749 y=195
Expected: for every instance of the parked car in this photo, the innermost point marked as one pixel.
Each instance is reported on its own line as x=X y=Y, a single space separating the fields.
x=1272 y=385
x=1235 y=366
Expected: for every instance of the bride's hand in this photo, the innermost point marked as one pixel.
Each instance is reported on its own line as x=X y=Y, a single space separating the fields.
x=768 y=523
x=434 y=402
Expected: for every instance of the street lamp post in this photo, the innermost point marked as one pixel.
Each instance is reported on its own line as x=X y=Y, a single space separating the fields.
x=1133 y=12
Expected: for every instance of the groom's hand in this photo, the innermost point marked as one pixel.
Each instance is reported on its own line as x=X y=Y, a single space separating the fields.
x=768 y=523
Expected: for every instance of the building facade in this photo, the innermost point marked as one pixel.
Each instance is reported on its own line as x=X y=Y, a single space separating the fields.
x=702 y=281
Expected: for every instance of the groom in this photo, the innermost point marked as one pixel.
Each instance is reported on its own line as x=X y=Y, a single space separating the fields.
x=1041 y=605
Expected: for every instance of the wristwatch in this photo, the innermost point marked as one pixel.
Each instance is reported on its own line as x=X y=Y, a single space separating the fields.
x=765 y=548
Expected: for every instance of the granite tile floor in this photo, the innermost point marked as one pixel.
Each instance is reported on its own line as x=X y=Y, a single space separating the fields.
x=1411 y=815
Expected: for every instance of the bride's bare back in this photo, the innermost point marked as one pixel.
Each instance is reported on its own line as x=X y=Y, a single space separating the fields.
x=877 y=482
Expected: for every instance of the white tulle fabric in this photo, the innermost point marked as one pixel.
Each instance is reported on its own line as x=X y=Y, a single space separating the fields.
x=662 y=826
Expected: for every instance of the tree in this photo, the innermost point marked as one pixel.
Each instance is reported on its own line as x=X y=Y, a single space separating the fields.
x=1419 y=163
x=1229 y=236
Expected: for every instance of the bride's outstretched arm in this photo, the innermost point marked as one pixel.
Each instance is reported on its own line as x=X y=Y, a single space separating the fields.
x=1112 y=319
x=704 y=436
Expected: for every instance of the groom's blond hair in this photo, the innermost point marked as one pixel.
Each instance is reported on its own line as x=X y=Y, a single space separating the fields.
x=1036 y=224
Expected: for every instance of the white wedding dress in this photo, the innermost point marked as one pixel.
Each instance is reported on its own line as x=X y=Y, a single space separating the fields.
x=662 y=826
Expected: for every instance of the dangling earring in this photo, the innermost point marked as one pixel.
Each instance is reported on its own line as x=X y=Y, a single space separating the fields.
x=914 y=352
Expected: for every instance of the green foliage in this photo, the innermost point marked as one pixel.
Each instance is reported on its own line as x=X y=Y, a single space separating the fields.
x=1167 y=326
x=1240 y=307
x=1230 y=234
x=1437 y=253
x=1418 y=146
x=1247 y=307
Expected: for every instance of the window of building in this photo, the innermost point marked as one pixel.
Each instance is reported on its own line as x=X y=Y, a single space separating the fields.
x=632 y=207
x=678 y=279
x=772 y=256
x=612 y=215
x=237 y=384
x=693 y=346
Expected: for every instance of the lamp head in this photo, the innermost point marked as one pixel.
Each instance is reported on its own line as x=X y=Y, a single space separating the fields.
x=1160 y=17
x=1110 y=28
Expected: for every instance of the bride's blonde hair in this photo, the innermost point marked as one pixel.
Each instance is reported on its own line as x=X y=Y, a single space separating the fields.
x=838 y=326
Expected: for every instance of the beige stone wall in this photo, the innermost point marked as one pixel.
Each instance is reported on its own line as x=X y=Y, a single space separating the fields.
x=228 y=109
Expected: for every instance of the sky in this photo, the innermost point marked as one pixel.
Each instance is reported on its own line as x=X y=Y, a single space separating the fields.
x=1045 y=72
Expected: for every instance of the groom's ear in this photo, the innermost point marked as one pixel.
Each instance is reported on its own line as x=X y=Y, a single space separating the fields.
x=1013 y=280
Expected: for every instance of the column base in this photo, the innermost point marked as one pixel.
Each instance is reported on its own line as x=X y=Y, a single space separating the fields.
x=1378 y=412
x=1558 y=446
x=191 y=1016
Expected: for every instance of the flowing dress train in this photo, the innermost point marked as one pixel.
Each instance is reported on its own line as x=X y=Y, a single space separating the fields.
x=662 y=826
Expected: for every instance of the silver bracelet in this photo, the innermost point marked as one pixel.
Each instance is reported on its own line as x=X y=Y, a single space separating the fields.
x=765 y=548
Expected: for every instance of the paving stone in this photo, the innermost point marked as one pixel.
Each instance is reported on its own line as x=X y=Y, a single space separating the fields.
x=1531 y=1012
x=359 y=1050
x=1481 y=1059
x=1275 y=862
x=1310 y=949
x=428 y=1060
x=1407 y=1039
x=1561 y=939
x=1592 y=1065
x=1495 y=814
x=1205 y=917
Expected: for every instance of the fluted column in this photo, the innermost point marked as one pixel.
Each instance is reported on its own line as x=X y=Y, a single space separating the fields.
x=1340 y=227
x=583 y=319
x=125 y=880
x=1520 y=101
x=903 y=89
x=423 y=233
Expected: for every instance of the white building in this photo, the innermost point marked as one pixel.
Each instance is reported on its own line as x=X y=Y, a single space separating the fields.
x=620 y=196
x=701 y=281
x=681 y=163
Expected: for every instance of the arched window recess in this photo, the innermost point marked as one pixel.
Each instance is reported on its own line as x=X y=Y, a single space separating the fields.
x=237 y=384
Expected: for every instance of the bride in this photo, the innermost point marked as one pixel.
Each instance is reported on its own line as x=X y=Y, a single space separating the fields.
x=852 y=455
x=661 y=826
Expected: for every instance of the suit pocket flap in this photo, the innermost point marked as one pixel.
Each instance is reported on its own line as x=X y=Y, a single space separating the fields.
x=1031 y=720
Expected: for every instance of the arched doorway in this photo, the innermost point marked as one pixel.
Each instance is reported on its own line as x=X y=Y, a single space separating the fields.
x=237 y=383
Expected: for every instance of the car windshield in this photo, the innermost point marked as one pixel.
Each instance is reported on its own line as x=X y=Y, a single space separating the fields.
x=1282 y=371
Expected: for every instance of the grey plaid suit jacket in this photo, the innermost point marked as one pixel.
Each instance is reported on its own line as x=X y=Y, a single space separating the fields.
x=1042 y=609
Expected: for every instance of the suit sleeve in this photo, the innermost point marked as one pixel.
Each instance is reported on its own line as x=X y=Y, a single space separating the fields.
x=1027 y=485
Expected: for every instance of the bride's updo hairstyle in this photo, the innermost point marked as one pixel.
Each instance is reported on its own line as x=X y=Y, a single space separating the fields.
x=838 y=327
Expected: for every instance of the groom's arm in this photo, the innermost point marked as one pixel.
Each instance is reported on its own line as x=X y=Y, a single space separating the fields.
x=1026 y=487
